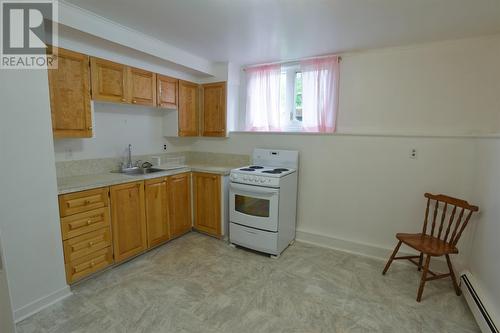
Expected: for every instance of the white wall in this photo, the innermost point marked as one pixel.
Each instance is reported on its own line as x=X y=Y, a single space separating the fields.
x=364 y=189
x=485 y=251
x=444 y=88
x=440 y=88
x=28 y=204
x=116 y=126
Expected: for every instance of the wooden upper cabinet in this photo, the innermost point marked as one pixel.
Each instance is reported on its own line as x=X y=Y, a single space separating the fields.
x=207 y=203
x=179 y=204
x=167 y=92
x=156 y=211
x=142 y=85
x=213 y=121
x=69 y=87
x=109 y=80
x=188 y=108
x=128 y=220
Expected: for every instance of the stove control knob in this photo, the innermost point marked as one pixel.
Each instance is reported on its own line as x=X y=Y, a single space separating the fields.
x=245 y=178
x=262 y=180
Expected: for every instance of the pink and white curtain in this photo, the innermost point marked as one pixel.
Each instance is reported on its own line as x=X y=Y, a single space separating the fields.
x=263 y=98
x=320 y=94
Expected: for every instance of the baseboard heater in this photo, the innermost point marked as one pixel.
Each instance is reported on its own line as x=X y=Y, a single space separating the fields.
x=477 y=307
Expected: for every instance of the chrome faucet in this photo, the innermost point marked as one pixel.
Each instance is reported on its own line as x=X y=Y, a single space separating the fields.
x=129 y=162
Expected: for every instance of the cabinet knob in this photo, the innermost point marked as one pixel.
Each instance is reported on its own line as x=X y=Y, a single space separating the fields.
x=91 y=244
x=124 y=100
x=134 y=101
x=86 y=202
x=89 y=222
x=92 y=264
x=90 y=128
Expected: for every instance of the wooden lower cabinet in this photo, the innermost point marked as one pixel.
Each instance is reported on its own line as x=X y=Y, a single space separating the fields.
x=157 y=211
x=207 y=203
x=128 y=220
x=179 y=204
x=108 y=225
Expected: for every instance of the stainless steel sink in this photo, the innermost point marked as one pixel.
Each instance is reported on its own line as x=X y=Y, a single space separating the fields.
x=140 y=171
x=144 y=171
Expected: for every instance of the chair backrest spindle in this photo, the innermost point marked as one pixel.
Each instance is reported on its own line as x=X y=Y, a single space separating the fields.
x=450 y=222
x=443 y=216
x=424 y=229
x=436 y=206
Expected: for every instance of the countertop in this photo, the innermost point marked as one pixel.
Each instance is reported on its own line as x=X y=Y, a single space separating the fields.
x=87 y=182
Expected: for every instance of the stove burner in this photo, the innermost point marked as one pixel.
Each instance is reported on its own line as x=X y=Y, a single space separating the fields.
x=247 y=169
x=275 y=171
x=280 y=169
x=256 y=167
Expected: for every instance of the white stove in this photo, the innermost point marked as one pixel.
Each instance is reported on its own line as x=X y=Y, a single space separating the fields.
x=260 y=175
x=263 y=198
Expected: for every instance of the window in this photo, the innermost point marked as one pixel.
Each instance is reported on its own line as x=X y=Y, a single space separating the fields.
x=293 y=97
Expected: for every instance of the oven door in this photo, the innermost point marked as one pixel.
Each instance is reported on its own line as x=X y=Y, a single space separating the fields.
x=254 y=206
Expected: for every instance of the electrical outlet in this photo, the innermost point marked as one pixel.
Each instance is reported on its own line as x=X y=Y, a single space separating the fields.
x=164 y=147
x=413 y=153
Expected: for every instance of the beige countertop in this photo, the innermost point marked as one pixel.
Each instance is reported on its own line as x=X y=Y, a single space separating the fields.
x=87 y=182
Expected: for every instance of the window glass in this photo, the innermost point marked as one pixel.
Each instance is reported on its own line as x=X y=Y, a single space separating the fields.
x=298 y=97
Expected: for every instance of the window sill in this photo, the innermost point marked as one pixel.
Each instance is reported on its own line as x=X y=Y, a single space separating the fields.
x=282 y=132
x=388 y=133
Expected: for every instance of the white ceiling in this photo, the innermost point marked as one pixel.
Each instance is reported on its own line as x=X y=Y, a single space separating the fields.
x=253 y=31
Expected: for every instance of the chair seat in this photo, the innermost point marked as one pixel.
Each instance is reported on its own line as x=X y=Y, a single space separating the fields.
x=427 y=244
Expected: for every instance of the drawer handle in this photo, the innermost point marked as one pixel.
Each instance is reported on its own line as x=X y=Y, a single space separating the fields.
x=91 y=244
x=86 y=202
x=89 y=222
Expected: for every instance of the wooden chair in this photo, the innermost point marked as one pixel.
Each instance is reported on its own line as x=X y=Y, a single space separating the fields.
x=440 y=240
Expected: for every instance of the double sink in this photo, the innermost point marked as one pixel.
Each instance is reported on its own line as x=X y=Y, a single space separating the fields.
x=134 y=171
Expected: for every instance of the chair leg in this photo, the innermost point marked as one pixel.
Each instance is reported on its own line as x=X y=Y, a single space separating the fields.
x=424 y=277
x=396 y=249
x=453 y=277
x=420 y=261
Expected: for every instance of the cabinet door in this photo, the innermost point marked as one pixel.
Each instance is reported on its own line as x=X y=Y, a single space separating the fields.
x=179 y=204
x=69 y=87
x=207 y=203
x=156 y=211
x=188 y=109
x=167 y=92
x=142 y=85
x=109 y=80
x=128 y=220
x=214 y=109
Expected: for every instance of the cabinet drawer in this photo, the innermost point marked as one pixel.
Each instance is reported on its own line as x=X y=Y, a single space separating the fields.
x=86 y=244
x=89 y=264
x=79 y=224
x=74 y=203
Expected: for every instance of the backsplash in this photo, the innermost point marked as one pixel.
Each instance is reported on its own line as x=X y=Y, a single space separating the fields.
x=195 y=157
x=103 y=165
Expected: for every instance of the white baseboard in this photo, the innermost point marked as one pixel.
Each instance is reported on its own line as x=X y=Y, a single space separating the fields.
x=41 y=303
x=366 y=250
x=343 y=245
x=485 y=314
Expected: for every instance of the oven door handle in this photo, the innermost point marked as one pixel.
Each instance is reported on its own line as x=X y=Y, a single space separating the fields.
x=254 y=190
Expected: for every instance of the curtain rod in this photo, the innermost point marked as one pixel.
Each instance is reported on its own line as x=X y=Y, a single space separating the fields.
x=292 y=61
